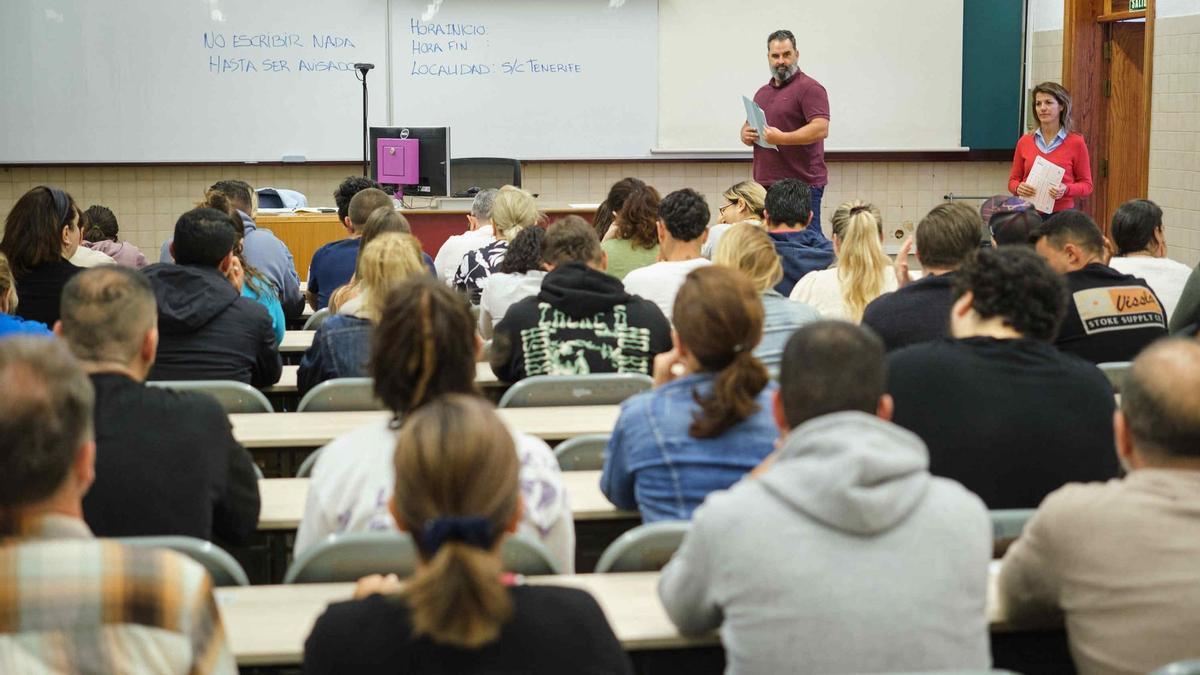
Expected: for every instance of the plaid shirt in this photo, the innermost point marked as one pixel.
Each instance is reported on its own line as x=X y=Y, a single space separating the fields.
x=71 y=603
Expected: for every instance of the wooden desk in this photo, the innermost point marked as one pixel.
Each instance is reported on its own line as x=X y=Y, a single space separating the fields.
x=304 y=233
x=314 y=429
x=267 y=625
x=283 y=501
x=484 y=377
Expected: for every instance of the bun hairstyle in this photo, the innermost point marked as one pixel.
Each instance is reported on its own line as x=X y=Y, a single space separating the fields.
x=513 y=211
x=456 y=491
x=719 y=316
x=861 y=263
x=101 y=224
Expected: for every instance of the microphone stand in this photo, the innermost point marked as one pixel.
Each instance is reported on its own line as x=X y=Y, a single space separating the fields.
x=364 y=68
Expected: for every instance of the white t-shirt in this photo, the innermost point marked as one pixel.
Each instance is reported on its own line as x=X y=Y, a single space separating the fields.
x=86 y=257
x=822 y=290
x=452 y=251
x=1166 y=277
x=353 y=480
x=660 y=282
x=501 y=291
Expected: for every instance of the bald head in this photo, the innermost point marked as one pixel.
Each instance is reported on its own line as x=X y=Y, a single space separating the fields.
x=1160 y=400
x=106 y=313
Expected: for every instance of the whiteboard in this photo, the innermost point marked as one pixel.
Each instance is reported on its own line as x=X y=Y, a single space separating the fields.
x=531 y=79
x=196 y=81
x=893 y=69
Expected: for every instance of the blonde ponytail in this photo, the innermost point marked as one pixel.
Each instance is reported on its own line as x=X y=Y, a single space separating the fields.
x=862 y=265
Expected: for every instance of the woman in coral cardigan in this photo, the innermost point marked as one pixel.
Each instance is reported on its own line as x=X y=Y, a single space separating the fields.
x=1053 y=140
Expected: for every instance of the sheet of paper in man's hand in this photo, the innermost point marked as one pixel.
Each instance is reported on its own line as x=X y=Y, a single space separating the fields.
x=1044 y=175
x=756 y=118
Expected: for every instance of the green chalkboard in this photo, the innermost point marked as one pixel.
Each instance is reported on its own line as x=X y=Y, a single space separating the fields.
x=991 y=77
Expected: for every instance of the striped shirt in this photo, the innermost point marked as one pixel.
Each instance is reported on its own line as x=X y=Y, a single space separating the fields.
x=71 y=603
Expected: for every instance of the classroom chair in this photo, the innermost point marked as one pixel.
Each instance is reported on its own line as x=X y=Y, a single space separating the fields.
x=341 y=394
x=553 y=390
x=306 y=467
x=645 y=548
x=1115 y=372
x=234 y=397
x=224 y=570
x=1189 y=667
x=348 y=557
x=1007 y=525
x=314 y=322
x=582 y=453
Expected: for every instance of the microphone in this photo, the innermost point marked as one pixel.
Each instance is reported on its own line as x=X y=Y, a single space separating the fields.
x=364 y=67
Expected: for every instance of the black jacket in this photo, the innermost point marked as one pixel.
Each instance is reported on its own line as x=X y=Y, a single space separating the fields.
x=40 y=291
x=167 y=463
x=208 y=331
x=582 y=321
x=919 y=312
x=1110 y=316
x=1012 y=420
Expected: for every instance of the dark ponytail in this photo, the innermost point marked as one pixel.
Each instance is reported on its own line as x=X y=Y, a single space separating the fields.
x=719 y=317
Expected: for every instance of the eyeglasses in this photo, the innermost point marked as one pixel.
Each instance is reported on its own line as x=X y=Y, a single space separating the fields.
x=725 y=206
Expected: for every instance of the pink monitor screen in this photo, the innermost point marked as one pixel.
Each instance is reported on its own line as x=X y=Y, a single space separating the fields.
x=397 y=161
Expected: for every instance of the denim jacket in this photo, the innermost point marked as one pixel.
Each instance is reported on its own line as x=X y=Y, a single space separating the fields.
x=654 y=465
x=340 y=348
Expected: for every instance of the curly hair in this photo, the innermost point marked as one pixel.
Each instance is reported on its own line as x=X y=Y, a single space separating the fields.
x=637 y=219
x=685 y=214
x=1015 y=283
x=524 y=252
x=349 y=187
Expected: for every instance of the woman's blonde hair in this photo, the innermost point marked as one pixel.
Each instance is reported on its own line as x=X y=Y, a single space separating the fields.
x=6 y=283
x=862 y=266
x=749 y=250
x=750 y=192
x=513 y=211
x=387 y=260
x=456 y=491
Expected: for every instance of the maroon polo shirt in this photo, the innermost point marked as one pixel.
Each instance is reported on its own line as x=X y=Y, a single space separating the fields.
x=788 y=107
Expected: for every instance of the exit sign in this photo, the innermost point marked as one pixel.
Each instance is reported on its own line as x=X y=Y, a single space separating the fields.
x=1135 y=5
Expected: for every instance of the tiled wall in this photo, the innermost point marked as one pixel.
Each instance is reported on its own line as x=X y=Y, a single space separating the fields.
x=1046 y=56
x=1175 y=133
x=147 y=200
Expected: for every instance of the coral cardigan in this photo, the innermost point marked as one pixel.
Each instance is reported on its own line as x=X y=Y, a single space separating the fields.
x=1072 y=155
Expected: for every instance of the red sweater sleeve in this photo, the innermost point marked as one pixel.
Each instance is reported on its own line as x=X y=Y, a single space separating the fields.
x=1082 y=168
x=1018 y=166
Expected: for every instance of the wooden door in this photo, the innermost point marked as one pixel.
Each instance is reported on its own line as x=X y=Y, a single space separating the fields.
x=1128 y=150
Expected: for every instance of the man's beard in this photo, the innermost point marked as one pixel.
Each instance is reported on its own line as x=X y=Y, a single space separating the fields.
x=784 y=73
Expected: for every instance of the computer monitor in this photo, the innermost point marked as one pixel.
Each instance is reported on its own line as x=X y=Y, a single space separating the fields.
x=431 y=176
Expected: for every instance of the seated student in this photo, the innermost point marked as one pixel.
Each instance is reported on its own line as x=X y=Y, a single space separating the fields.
x=919 y=311
x=457 y=493
x=1013 y=228
x=682 y=222
x=787 y=213
x=519 y=277
x=707 y=422
x=747 y=249
x=74 y=603
x=382 y=220
x=207 y=330
x=10 y=324
x=166 y=461
x=1118 y=560
x=513 y=211
x=480 y=232
x=424 y=346
x=101 y=236
x=582 y=320
x=811 y=564
x=632 y=238
x=1137 y=233
x=1110 y=316
x=743 y=204
x=86 y=257
x=862 y=271
x=333 y=264
x=262 y=248
x=342 y=344
x=255 y=285
x=1187 y=311
x=41 y=233
x=1003 y=411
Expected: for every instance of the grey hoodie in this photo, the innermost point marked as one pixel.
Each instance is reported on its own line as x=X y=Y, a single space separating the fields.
x=845 y=557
